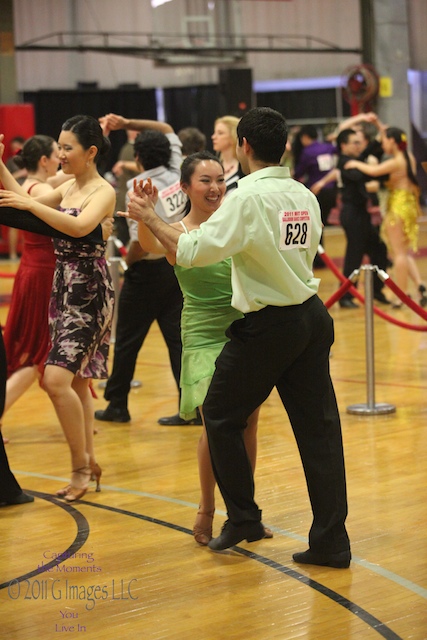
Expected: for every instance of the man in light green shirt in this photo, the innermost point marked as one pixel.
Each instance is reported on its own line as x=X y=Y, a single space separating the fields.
x=271 y=227
x=272 y=245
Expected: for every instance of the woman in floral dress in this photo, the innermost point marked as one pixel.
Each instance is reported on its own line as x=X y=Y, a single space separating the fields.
x=82 y=299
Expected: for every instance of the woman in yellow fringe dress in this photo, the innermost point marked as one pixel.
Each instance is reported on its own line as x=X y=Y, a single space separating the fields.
x=400 y=226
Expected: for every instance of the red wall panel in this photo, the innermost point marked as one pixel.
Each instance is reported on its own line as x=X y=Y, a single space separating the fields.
x=16 y=120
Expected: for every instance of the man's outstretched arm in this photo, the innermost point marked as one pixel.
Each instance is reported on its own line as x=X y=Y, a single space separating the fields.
x=26 y=221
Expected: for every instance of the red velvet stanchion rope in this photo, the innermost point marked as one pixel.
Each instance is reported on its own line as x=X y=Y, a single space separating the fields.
x=401 y=295
x=387 y=280
x=338 y=294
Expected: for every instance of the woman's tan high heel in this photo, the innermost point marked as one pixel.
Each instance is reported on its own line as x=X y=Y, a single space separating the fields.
x=80 y=479
x=63 y=492
x=96 y=473
x=202 y=530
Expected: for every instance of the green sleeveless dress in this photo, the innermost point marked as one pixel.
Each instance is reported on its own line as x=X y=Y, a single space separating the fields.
x=206 y=315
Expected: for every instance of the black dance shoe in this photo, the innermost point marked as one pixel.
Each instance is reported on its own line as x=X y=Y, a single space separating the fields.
x=380 y=297
x=339 y=560
x=346 y=303
x=423 y=297
x=21 y=498
x=232 y=534
x=112 y=414
x=177 y=421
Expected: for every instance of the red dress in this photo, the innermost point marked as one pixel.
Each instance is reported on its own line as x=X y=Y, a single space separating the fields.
x=26 y=334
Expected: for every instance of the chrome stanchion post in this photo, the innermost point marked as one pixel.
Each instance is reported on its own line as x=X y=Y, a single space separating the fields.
x=371 y=407
x=114 y=264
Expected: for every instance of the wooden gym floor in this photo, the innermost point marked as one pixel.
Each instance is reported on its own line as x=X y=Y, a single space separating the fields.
x=123 y=564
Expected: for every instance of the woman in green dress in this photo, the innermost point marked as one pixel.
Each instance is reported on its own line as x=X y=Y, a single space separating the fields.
x=207 y=313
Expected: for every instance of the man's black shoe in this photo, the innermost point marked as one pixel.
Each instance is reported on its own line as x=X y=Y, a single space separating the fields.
x=339 y=560
x=380 y=297
x=346 y=303
x=21 y=498
x=232 y=534
x=177 y=421
x=112 y=414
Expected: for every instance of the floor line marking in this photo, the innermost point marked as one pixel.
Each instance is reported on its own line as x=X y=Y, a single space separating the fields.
x=375 y=568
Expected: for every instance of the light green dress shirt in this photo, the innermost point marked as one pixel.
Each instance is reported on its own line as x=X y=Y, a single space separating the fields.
x=270 y=226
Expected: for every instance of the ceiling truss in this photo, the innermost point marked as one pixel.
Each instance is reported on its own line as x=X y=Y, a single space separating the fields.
x=176 y=49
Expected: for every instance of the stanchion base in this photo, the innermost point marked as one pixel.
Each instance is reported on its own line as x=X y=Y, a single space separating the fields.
x=134 y=384
x=376 y=409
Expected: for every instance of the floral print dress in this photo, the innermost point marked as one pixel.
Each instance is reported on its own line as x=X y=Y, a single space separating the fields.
x=81 y=307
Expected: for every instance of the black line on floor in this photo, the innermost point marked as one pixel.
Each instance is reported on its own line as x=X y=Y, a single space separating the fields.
x=363 y=615
x=81 y=537
x=366 y=617
x=83 y=534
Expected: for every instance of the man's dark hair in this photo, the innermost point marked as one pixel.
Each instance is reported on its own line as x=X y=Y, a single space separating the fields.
x=266 y=131
x=192 y=140
x=343 y=137
x=152 y=149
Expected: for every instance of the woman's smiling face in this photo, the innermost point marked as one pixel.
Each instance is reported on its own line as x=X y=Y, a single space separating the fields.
x=207 y=186
x=72 y=156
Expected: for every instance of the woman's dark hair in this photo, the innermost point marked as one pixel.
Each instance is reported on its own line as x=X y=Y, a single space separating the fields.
x=189 y=166
x=399 y=136
x=296 y=148
x=190 y=163
x=34 y=148
x=309 y=130
x=89 y=133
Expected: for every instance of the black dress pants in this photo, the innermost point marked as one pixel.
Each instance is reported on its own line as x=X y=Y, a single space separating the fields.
x=9 y=487
x=362 y=239
x=150 y=292
x=286 y=347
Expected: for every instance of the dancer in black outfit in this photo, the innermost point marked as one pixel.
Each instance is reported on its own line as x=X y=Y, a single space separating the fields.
x=10 y=491
x=362 y=236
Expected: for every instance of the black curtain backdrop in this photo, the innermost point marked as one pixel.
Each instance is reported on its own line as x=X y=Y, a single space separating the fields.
x=199 y=106
x=304 y=104
x=193 y=107
x=52 y=108
x=196 y=106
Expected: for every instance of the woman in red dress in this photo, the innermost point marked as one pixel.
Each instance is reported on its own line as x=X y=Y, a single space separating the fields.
x=26 y=334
